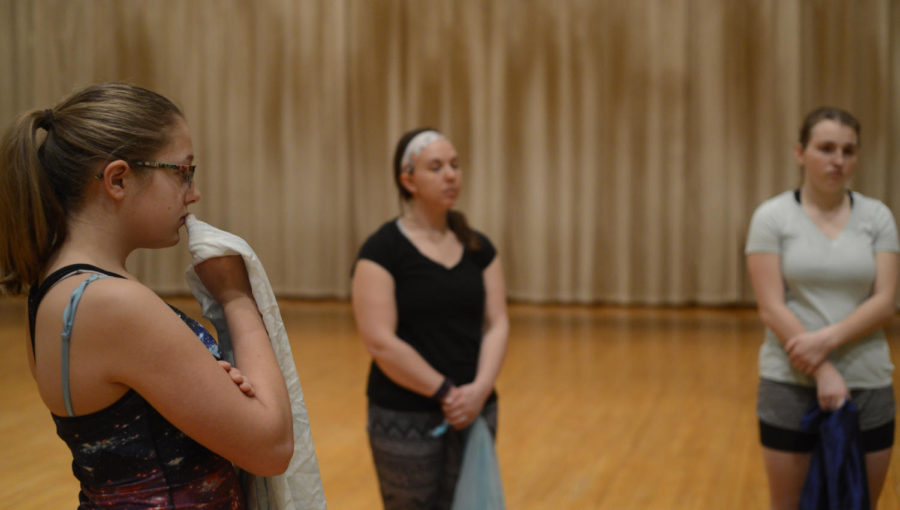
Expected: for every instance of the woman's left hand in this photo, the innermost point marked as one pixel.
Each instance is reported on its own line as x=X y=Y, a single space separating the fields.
x=808 y=350
x=462 y=405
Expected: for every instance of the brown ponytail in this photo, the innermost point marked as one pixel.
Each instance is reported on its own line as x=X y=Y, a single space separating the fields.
x=460 y=226
x=48 y=157
x=31 y=219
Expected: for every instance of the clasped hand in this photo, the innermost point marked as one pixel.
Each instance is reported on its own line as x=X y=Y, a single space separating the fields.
x=831 y=389
x=462 y=405
x=808 y=350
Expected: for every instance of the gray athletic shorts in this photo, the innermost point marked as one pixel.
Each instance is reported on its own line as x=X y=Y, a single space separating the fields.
x=781 y=406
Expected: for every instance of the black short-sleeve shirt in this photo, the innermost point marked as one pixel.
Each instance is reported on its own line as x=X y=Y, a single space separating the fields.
x=440 y=311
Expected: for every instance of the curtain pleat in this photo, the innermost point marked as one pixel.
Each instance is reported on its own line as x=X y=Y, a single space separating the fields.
x=613 y=151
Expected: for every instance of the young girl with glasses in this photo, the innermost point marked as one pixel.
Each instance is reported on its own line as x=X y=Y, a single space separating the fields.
x=134 y=386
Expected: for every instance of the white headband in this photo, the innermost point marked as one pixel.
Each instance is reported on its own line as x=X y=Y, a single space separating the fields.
x=419 y=142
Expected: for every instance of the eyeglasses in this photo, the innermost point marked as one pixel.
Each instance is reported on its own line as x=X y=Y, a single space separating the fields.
x=185 y=171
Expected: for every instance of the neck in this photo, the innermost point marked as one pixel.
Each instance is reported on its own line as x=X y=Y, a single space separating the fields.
x=93 y=242
x=422 y=217
x=823 y=201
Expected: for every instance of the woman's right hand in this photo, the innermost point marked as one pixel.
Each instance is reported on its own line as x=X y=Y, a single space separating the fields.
x=224 y=277
x=831 y=388
x=463 y=404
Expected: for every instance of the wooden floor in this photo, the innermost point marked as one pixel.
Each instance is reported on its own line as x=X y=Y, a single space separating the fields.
x=600 y=408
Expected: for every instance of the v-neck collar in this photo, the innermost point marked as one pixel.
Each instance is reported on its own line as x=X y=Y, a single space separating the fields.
x=426 y=257
x=828 y=238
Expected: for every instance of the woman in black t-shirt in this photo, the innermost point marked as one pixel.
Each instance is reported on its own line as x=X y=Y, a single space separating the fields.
x=430 y=305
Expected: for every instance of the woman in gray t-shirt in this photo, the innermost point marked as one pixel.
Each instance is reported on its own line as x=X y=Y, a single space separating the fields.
x=823 y=263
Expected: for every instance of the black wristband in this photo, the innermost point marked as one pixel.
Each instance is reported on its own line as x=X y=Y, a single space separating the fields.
x=443 y=390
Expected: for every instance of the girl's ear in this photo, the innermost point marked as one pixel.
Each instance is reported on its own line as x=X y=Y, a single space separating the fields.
x=114 y=178
x=798 y=153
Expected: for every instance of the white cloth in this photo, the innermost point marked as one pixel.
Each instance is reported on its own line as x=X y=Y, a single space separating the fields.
x=300 y=486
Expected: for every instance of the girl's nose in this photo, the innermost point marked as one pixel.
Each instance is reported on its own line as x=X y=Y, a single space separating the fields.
x=193 y=194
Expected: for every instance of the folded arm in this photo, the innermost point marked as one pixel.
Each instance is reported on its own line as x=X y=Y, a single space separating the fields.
x=768 y=286
x=149 y=349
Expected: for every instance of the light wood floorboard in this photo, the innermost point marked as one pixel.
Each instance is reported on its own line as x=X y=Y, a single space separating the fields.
x=600 y=408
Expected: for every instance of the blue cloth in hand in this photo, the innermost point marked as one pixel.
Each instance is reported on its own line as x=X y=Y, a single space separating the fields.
x=837 y=471
x=479 y=485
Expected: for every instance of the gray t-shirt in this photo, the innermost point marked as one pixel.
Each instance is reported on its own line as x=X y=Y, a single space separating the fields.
x=824 y=281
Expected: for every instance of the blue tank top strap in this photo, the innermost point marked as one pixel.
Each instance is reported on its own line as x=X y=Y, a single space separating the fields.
x=39 y=290
x=68 y=319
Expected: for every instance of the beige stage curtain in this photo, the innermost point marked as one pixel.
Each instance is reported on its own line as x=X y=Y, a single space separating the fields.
x=613 y=150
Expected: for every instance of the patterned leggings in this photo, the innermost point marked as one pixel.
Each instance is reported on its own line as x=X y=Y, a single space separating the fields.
x=417 y=471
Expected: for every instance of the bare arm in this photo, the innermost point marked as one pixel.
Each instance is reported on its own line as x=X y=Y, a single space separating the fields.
x=376 y=319
x=493 y=344
x=155 y=353
x=463 y=404
x=808 y=350
x=768 y=286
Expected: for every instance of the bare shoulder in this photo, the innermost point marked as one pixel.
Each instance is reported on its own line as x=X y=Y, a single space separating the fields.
x=122 y=302
x=132 y=327
x=120 y=331
x=104 y=300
